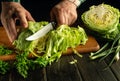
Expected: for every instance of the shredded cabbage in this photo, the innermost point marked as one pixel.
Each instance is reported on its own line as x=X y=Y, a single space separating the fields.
x=53 y=44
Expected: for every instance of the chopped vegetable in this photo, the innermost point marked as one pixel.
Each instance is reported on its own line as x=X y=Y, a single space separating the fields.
x=73 y=62
x=4 y=67
x=110 y=48
x=21 y=64
x=48 y=48
x=4 y=50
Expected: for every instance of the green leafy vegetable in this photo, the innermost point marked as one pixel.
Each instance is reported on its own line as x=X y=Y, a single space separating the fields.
x=48 y=48
x=110 y=48
x=103 y=19
x=4 y=50
x=22 y=64
x=29 y=45
x=34 y=27
x=4 y=67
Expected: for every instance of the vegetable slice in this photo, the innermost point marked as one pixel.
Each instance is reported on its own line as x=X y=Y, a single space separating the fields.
x=102 y=19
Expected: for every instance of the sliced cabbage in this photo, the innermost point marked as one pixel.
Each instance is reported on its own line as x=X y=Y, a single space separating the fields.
x=23 y=45
x=53 y=44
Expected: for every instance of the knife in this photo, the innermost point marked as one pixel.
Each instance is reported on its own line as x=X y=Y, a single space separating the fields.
x=41 y=32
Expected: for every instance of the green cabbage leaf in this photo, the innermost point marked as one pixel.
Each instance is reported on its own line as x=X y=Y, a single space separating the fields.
x=103 y=19
x=55 y=42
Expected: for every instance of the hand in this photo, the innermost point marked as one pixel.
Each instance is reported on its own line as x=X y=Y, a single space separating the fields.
x=12 y=11
x=64 y=13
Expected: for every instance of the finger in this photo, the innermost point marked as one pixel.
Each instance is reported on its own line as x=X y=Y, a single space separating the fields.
x=66 y=17
x=10 y=29
x=23 y=20
x=72 y=17
x=60 y=18
x=52 y=16
x=72 y=22
x=29 y=17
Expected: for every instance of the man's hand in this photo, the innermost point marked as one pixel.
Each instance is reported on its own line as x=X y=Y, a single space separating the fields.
x=64 y=13
x=12 y=11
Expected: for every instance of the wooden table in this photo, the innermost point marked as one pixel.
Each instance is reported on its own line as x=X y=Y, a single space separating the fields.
x=83 y=70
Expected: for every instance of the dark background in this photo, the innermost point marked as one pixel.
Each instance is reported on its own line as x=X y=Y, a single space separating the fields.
x=40 y=8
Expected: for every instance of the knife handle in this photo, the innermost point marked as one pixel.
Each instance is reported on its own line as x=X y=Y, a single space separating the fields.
x=54 y=24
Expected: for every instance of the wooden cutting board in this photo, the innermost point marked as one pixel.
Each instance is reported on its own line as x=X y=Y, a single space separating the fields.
x=90 y=46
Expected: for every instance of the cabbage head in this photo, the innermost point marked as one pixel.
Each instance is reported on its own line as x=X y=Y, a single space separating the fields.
x=102 y=19
x=21 y=43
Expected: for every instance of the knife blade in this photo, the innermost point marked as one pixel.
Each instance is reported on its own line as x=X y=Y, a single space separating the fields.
x=41 y=32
